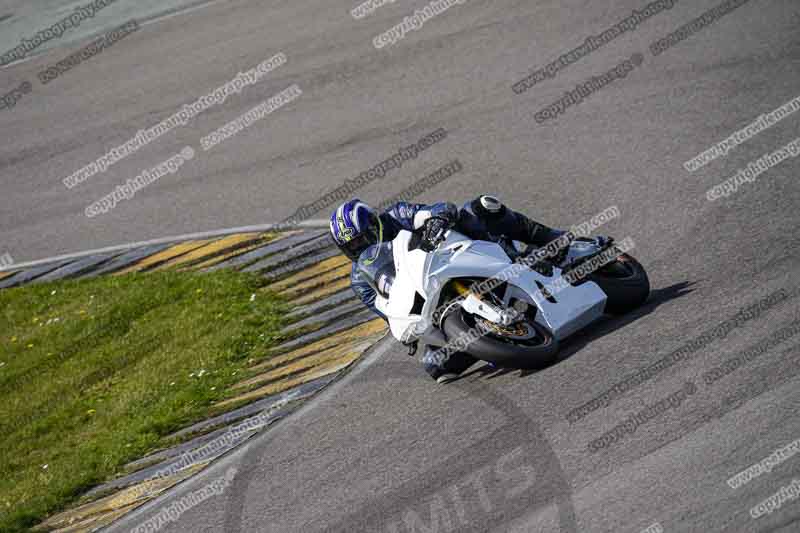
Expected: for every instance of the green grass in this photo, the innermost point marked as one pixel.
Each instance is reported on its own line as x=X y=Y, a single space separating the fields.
x=94 y=373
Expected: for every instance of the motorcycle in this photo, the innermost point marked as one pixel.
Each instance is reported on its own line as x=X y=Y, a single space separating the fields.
x=509 y=307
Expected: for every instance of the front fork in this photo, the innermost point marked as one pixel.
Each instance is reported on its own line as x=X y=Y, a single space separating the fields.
x=474 y=303
x=477 y=304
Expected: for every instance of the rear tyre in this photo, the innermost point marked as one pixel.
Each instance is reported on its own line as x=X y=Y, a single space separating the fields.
x=530 y=345
x=625 y=283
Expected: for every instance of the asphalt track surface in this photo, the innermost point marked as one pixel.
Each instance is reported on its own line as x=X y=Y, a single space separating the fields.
x=387 y=449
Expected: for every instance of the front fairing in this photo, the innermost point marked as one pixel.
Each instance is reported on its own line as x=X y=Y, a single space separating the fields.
x=422 y=275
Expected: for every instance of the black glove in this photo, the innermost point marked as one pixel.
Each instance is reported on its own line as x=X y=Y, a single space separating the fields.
x=433 y=233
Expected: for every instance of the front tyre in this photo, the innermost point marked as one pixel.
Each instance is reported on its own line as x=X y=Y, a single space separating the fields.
x=522 y=345
x=625 y=283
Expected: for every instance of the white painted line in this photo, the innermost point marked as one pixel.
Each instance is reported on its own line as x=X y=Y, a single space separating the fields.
x=306 y=224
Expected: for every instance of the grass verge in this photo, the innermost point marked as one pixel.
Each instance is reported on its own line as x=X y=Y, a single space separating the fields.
x=94 y=373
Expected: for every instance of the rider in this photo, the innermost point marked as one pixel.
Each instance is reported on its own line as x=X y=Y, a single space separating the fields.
x=354 y=226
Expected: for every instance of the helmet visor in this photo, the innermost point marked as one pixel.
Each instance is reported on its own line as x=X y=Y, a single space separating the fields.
x=356 y=245
x=372 y=234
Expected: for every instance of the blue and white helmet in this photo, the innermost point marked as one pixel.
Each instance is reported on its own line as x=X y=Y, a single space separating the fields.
x=354 y=227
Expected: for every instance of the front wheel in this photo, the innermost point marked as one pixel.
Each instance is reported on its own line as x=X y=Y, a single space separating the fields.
x=524 y=344
x=625 y=283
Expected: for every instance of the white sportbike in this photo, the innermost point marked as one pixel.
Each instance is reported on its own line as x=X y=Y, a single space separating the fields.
x=493 y=301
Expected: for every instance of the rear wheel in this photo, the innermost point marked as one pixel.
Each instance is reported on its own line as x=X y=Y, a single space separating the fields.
x=524 y=344
x=625 y=283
